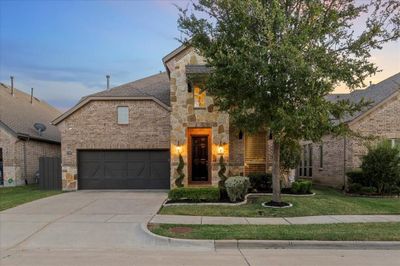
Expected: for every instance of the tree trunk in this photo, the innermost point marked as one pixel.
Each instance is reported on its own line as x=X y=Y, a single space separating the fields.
x=276 y=175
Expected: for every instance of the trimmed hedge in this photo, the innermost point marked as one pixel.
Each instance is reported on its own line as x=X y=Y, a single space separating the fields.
x=301 y=187
x=261 y=182
x=206 y=194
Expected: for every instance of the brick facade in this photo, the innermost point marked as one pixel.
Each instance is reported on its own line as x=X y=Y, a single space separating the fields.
x=94 y=126
x=21 y=157
x=382 y=122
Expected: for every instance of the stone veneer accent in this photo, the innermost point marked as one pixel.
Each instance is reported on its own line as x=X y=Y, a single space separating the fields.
x=94 y=126
x=15 y=163
x=184 y=116
x=382 y=122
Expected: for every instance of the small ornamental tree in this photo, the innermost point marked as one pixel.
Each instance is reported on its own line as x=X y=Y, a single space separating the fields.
x=274 y=61
x=179 y=170
x=221 y=173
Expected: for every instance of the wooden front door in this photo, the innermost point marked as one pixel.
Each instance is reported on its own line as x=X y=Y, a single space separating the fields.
x=200 y=158
x=199 y=164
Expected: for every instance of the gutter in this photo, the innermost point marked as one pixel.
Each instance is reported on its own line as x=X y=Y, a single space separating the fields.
x=24 y=136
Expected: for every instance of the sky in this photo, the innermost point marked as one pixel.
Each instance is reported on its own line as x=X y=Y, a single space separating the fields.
x=64 y=49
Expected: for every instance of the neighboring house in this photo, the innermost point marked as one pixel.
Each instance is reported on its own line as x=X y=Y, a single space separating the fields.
x=130 y=136
x=328 y=161
x=21 y=145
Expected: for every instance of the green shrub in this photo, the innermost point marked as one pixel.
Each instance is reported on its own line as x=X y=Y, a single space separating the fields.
x=207 y=194
x=301 y=187
x=261 y=182
x=354 y=188
x=296 y=187
x=357 y=176
x=382 y=166
x=237 y=187
x=395 y=190
x=368 y=190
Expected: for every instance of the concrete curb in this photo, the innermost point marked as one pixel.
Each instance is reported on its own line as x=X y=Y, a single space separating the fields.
x=176 y=242
x=270 y=244
x=307 y=244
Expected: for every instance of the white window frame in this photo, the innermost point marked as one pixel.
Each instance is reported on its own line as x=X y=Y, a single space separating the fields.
x=121 y=120
x=393 y=142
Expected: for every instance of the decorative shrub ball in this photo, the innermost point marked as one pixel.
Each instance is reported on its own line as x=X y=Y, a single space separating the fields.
x=236 y=187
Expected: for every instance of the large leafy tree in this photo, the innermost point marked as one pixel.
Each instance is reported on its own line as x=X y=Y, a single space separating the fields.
x=274 y=61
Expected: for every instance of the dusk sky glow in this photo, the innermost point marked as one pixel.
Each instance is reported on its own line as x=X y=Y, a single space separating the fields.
x=64 y=49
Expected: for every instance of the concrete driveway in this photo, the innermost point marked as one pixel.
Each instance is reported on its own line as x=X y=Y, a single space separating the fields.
x=80 y=220
x=103 y=228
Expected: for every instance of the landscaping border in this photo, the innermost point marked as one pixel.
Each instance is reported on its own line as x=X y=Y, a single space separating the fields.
x=232 y=204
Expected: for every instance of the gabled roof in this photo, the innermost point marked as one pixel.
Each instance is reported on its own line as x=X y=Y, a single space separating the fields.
x=18 y=115
x=376 y=93
x=154 y=88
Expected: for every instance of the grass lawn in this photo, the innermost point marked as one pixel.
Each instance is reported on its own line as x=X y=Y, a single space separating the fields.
x=334 y=232
x=14 y=196
x=326 y=202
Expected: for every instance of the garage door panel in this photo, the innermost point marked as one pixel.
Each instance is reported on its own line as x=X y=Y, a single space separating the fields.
x=88 y=156
x=138 y=169
x=139 y=156
x=123 y=169
x=92 y=170
x=158 y=156
x=115 y=169
x=115 y=156
x=158 y=168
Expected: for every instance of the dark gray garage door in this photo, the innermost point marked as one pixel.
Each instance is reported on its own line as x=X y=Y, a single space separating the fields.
x=123 y=169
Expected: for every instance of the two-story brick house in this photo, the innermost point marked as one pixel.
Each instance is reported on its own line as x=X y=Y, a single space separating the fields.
x=130 y=136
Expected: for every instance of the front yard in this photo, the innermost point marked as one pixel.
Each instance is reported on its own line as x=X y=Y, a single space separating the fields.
x=333 y=232
x=14 y=196
x=326 y=202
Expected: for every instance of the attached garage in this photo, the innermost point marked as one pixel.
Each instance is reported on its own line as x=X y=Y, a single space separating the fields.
x=123 y=169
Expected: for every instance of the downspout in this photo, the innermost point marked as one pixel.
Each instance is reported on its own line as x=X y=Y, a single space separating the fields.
x=25 y=168
x=24 y=138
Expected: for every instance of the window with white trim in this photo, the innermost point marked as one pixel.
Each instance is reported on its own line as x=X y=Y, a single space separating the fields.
x=395 y=142
x=123 y=115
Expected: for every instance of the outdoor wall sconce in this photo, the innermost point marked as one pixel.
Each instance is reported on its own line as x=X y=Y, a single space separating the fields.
x=178 y=148
x=220 y=149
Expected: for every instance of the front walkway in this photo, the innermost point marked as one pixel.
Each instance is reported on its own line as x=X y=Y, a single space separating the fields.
x=325 y=219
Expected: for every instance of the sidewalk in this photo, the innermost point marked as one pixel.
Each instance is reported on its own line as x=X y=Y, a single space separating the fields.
x=325 y=219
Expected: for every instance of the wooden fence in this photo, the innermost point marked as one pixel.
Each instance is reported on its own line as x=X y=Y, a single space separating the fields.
x=50 y=173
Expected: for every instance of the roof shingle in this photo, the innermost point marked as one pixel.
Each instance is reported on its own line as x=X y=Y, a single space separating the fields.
x=375 y=93
x=19 y=115
x=153 y=86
